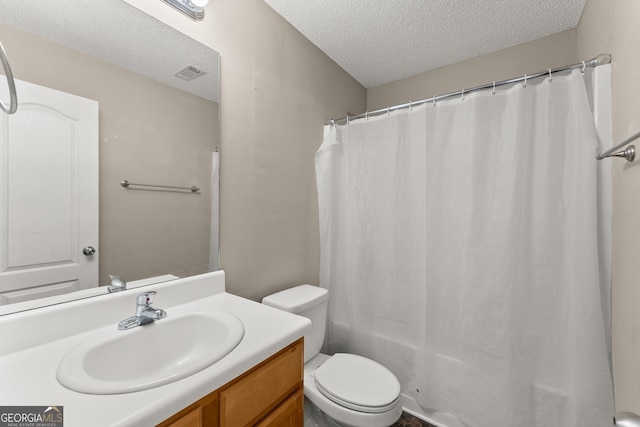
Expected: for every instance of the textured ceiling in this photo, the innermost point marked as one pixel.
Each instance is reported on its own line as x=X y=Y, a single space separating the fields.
x=117 y=32
x=380 y=41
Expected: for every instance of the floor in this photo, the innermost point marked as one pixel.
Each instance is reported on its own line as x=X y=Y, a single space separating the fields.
x=313 y=417
x=410 y=421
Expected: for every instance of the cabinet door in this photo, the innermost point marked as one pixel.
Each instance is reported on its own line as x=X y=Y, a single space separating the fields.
x=256 y=394
x=288 y=414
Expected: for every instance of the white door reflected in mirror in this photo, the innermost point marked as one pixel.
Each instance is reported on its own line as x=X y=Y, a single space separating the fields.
x=49 y=194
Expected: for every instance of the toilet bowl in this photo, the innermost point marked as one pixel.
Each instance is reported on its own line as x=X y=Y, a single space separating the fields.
x=381 y=408
x=353 y=390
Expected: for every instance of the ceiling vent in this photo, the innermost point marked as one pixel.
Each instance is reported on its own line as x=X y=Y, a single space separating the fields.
x=189 y=73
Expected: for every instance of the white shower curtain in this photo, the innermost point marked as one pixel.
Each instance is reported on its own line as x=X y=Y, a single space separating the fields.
x=459 y=247
x=214 y=236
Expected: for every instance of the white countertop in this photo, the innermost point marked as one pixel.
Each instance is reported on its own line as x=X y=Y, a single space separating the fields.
x=27 y=368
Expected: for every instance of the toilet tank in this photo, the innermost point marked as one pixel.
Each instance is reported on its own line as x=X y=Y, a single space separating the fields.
x=308 y=301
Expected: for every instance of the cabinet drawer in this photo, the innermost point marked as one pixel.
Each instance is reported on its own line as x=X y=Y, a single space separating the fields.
x=289 y=414
x=192 y=419
x=203 y=413
x=256 y=393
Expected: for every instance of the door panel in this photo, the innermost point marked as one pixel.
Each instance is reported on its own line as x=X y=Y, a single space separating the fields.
x=48 y=194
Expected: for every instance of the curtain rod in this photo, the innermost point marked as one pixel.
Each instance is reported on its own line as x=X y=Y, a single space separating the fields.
x=601 y=59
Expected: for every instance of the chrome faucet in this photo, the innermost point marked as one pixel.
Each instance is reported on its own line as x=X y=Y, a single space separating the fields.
x=117 y=284
x=144 y=312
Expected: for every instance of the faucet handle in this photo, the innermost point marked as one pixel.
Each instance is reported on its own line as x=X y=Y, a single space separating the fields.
x=145 y=299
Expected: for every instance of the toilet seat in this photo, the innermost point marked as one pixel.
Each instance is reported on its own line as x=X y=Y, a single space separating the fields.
x=357 y=383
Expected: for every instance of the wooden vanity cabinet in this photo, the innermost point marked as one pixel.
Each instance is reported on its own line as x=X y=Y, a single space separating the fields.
x=202 y=413
x=268 y=395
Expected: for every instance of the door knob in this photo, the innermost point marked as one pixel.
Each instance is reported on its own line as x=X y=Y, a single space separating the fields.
x=89 y=250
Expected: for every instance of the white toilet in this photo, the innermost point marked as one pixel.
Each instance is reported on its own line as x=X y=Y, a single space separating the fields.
x=352 y=390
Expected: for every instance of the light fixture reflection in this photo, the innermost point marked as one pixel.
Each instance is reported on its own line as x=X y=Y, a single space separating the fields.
x=194 y=9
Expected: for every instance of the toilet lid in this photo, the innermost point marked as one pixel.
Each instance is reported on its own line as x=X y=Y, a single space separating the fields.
x=357 y=383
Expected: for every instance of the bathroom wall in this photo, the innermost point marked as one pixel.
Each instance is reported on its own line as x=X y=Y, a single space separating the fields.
x=549 y=52
x=277 y=90
x=142 y=233
x=612 y=26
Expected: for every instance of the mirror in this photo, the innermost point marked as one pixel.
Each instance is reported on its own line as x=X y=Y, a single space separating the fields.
x=152 y=128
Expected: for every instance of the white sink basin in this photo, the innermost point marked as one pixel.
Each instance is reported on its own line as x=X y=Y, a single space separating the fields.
x=114 y=361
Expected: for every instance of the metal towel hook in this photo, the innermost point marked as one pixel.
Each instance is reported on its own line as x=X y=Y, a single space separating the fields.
x=13 y=103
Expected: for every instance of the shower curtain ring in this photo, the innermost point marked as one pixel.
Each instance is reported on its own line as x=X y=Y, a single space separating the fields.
x=584 y=66
x=434 y=101
x=550 y=78
x=387 y=111
x=525 y=81
x=462 y=95
x=410 y=106
x=366 y=115
x=348 y=118
x=493 y=91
